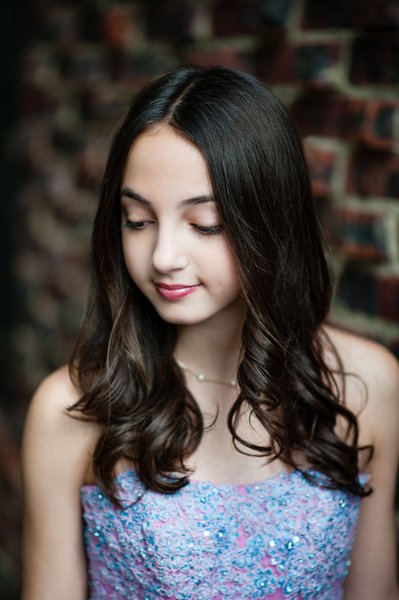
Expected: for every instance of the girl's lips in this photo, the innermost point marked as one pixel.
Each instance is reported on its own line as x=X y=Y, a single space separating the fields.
x=174 y=292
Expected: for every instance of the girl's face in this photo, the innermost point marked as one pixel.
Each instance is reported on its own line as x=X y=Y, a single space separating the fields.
x=173 y=244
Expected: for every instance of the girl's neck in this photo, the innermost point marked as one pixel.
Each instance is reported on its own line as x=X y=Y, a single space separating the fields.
x=212 y=347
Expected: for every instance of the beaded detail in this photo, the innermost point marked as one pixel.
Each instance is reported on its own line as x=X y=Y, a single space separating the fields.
x=283 y=539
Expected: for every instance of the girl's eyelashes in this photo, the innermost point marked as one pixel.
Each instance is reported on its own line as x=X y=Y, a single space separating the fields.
x=201 y=229
x=208 y=229
x=135 y=224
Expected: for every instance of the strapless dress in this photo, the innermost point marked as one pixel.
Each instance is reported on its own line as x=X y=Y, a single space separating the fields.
x=283 y=539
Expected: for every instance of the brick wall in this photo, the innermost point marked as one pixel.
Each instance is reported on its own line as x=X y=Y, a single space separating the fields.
x=336 y=65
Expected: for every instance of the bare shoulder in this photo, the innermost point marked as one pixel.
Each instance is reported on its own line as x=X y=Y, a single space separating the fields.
x=54 y=438
x=363 y=355
x=55 y=394
x=367 y=359
x=373 y=574
x=375 y=377
x=56 y=455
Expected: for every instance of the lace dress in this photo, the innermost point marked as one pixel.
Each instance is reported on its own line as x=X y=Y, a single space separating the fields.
x=281 y=539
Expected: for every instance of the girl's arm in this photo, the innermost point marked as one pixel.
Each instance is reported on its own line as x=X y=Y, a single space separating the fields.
x=373 y=574
x=55 y=454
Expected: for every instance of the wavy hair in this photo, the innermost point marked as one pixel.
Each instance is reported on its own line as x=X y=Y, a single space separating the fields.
x=123 y=359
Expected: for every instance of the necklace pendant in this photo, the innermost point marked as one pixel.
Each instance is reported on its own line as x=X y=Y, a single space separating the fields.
x=201 y=377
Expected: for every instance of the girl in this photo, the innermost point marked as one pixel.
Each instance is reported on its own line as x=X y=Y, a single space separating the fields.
x=214 y=432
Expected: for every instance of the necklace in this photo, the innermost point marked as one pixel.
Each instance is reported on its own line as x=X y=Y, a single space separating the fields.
x=202 y=377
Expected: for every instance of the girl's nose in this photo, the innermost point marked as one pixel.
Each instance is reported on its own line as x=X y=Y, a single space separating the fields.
x=168 y=254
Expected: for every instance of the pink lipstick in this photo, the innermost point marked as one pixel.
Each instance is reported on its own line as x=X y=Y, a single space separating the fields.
x=175 y=292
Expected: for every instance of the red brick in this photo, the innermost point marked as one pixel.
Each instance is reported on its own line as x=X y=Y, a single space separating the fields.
x=372 y=122
x=117 y=26
x=357 y=289
x=350 y=13
x=373 y=173
x=318 y=14
x=277 y=62
x=375 y=59
x=249 y=17
x=326 y=112
x=323 y=165
x=361 y=235
x=388 y=297
x=377 y=14
x=378 y=295
x=320 y=112
x=226 y=56
x=172 y=21
x=235 y=17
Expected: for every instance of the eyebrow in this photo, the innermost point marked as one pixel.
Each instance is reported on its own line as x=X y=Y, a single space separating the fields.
x=129 y=193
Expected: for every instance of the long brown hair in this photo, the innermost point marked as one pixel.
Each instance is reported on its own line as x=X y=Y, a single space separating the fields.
x=123 y=360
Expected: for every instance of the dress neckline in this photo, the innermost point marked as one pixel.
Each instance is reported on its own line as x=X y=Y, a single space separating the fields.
x=203 y=483
x=276 y=477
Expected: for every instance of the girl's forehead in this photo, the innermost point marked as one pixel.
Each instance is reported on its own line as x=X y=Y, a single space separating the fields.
x=162 y=162
x=163 y=141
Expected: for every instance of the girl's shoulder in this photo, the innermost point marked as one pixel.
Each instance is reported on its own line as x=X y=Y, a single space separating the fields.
x=56 y=438
x=56 y=392
x=371 y=382
x=365 y=358
x=53 y=398
x=56 y=453
x=372 y=385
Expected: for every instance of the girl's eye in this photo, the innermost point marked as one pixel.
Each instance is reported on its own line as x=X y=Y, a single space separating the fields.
x=135 y=224
x=208 y=229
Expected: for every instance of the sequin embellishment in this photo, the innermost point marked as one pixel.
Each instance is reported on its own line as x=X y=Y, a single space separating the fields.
x=281 y=539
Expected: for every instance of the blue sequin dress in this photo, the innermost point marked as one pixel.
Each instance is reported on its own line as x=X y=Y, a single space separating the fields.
x=281 y=539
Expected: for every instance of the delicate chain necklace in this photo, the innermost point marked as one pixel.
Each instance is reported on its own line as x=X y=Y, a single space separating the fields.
x=202 y=377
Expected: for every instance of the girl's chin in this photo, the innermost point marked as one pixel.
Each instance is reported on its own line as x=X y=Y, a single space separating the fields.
x=176 y=316
x=175 y=320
